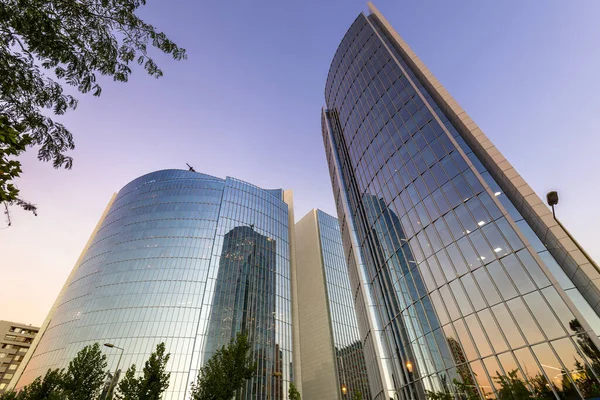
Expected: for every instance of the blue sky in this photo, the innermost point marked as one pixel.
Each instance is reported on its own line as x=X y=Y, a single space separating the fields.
x=246 y=104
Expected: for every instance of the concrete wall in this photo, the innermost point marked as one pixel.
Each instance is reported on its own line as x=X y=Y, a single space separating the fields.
x=319 y=375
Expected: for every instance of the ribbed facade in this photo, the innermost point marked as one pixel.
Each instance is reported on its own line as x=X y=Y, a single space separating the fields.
x=463 y=285
x=350 y=359
x=186 y=259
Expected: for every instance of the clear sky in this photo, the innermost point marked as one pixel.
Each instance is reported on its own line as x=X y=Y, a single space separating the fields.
x=246 y=104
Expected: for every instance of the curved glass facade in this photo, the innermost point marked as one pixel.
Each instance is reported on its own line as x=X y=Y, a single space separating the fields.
x=457 y=295
x=186 y=259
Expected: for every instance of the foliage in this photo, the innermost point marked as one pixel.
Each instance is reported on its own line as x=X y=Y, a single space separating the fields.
x=12 y=143
x=153 y=382
x=74 y=41
x=357 y=395
x=128 y=387
x=466 y=391
x=50 y=387
x=225 y=372
x=11 y=395
x=293 y=392
x=85 y=375
x=511 y=386
x=441 y=395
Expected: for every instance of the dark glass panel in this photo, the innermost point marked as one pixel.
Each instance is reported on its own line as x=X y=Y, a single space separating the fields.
x=454 y=226
x=461 y=298
x=465 y=339
x=517 y=274
x=473 y=292
x=496 y=240
x=446 y=265
x=533 y=268
x=505 y=287
x=487 y=287
x=508 y=326
x=442 y=230
x=482 y=248
x=525 y=321
x=557 y=304
x=544 y=316
x=492 y=330
x=479 y=338
x=466 y=249
x=509 y=234
x=449 y=302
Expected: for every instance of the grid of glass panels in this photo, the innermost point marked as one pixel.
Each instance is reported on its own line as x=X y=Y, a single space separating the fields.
x=152 y=273
x=466 y=309
x=350 y=359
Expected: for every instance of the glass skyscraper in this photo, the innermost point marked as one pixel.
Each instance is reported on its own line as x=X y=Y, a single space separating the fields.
x=187 y=259
x=331 y=348
x=465 y=285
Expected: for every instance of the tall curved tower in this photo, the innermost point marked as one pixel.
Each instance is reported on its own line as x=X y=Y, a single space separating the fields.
x=465 y=285
x=186 y=259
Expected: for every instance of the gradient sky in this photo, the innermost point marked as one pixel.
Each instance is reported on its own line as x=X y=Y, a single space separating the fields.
x=246 y=104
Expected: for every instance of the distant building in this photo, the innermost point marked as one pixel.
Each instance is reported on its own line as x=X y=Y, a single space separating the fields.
x=15 y=340
x=333 y=363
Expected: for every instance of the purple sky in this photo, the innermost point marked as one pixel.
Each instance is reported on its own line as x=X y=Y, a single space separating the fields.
x=246 y=104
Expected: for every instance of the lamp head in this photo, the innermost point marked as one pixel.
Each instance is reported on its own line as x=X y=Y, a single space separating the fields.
x=552 y=198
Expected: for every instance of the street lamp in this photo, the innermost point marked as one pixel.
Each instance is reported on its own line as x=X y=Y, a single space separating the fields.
x=552 y=199
x=344 y=389
x=112 y=382
x=409 y=366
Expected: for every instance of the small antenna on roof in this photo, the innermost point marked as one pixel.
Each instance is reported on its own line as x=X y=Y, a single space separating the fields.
x=191 y=169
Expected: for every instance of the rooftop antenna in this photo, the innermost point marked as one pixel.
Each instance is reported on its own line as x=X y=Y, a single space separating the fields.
x=191 y=169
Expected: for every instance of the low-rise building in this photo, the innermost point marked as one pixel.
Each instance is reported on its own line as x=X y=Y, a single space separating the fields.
x=15 y=340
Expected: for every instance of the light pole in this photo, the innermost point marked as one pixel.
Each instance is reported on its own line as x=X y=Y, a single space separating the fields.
x=112 y=382
x=344 y=390
x=552 y=199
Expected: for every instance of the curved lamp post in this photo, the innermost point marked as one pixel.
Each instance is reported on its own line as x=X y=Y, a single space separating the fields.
x=114 y=378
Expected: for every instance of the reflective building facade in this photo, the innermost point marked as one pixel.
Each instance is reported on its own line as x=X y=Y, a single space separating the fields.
x=187 y=259
x=331 y=350
x=465 y=285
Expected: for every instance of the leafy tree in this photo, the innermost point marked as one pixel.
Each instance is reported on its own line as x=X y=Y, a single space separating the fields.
x=440 y=395
x=357 y=395
x=585 y=380
x=85 y=375
x=153 y=381
x=50 y=387
x=542 y=389
x=225 y=372
x=512 y=387
x=12 y=143
x=46 y=43
x=466 y=391
x=293 y=392
x=129 y=385
x=12 y=395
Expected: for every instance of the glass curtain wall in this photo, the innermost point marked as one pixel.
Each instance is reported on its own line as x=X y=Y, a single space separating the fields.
x=352 y=372
x=186 y=259
x=460 y=303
